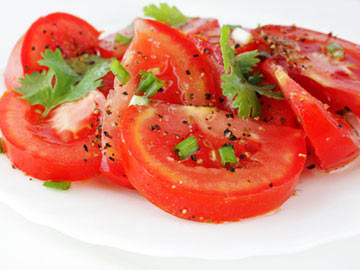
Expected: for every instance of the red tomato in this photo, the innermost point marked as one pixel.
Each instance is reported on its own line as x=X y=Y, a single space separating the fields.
x=14 y=69
x=72 y=35
x=49 y=149
x=109 y=48
x=175 y=59
x=334 y=143
x=199 y=188
x=305 y=56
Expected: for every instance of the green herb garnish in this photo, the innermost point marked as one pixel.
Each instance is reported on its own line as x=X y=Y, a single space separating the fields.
x=187 y=147
x=149 y=84
x=240 y=84
x=85 y=62
x=227 y=155
x=120 y=72
x=119 y=38
x=57 y=185
x=1 y=147
x=335 y=50
x=165 y=14
x=39 y=88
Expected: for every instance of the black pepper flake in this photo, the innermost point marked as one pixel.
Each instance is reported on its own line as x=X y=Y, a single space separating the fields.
x=237 y=45
x=193 y=157
x=228 y=134
x=44 y=31
x=207 y=51
x=85 y=160
x=231 y=169
x=160 y=116
x=310 y=167
x=107 y=134
x=160 y=90
x=229 y=115
x=33 y=48
x=340 y=126
x=112 y=159
x=185 y=122
x=47 y=46
x=86 y=148
x=271 y=185
x=107 y=145
x=108 y=112
x=242 y=156
x=207 y=96
x=188 y=72
x=153 y=127
x=221 y=100
x=196 y=55
x=125 y=93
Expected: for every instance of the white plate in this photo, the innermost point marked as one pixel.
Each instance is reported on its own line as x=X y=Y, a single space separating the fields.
x=327 y=206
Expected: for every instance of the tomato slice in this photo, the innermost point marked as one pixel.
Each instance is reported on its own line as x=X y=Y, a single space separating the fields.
x=71 y=34
x=14 y=69
x=199 y=188
x=334 y=143
x=303 y=52
x=33 y=145
x=109 y=48
x=174 y=58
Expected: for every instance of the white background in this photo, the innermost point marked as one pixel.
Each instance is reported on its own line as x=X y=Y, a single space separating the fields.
x=24 y=245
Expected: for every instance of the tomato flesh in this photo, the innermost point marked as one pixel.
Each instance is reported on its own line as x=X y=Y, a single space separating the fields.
x=173 y=58
x=33 y=146
x=72 y=35
x=304 y=55
x=334 y=143
x=264 y=178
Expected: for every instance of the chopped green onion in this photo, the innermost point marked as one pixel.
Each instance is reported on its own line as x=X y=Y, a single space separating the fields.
x=120 y=72
x=139 y=100
x=57 y=185
x=149 y=84
x=187 y=147
x=119 y=38
x=227 y=155
x=1 y=148
x=335 y=50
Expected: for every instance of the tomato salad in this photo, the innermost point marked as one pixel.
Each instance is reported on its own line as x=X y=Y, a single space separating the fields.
x=210 y=123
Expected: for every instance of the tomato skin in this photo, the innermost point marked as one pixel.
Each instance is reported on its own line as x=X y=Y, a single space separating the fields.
x=155 y=46
x=71 y=34
x=201 y=193
x=45 y=160
x=303 y=54
x=335 y=144
x=14 y=69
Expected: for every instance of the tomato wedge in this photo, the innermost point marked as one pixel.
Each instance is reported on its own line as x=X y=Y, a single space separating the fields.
x=174 y=58
x=263 y=179
x=305 y=55
x=334 y=143
x=71 y=34
x=35 y=148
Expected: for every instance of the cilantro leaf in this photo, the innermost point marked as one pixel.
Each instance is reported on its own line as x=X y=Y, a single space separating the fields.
x=84 y=62
x=60 y=83
x=165 y=14
x=241 y=84
x=119 y=38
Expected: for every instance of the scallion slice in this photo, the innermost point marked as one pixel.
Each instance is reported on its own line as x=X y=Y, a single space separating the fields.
x=57 y=185
x=120 y=72
x=149 y=84
x=187 y=147
x=335 y=50
x=139 y=100
x=227 y=155
x=119 y=38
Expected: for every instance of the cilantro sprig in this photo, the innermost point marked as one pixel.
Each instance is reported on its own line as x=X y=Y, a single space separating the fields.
x=60 y=83
x=240 y=83
x=165 y=14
